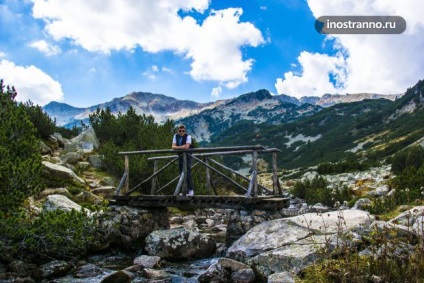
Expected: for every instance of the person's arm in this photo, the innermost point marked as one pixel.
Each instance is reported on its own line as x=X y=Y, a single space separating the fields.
x=175 y=146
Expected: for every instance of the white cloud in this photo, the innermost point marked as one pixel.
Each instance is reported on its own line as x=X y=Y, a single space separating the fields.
x=155 y=25
x=216 y=92
x=45 y=48
x=167 y=70
x=31 y=83
x=2 y=54
x=314 y=79
x=385 y=64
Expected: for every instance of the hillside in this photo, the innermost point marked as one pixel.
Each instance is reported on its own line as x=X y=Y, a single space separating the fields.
x=257 y=107
x=370 y=129
x=161 y=107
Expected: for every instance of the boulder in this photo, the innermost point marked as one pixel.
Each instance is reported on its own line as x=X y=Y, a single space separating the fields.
x=179 y=244
x=281 y=277
x=290 y=244
x=86 y=141
x=71 y=158
x=121 y=276
x=59 y=202
x=147 y=261
x=223 y=270
x=58 y=172
x=51 y=269
x=55 y=191
x=128 y=227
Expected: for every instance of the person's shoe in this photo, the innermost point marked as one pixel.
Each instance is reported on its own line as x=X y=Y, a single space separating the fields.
x=190 y=193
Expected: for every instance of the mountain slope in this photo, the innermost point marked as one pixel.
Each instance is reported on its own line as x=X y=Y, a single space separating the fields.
x=368 y=129
x=161 y=107
x=258 y=107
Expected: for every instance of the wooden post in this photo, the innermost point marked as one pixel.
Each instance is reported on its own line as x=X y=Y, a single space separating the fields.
x=127 y=172
x=274 y=174
x=185 y=191
x=255 y=172
x=208 y=177
x=155 y=179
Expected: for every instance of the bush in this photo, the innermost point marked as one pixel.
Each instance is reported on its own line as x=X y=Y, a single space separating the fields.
x=57 y=234
x=20 y=160
x=411 y=157
x=44 y=125
x=316 y=191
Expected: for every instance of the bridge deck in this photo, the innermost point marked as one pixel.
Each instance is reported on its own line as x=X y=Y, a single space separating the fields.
x=203 y=201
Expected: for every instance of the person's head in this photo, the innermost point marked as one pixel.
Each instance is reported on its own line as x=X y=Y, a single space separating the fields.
x=182 y=130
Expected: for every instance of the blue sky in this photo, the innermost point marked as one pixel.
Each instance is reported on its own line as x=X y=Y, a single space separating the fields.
x=87 y=52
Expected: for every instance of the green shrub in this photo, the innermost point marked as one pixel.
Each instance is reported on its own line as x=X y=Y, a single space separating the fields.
x=57 y=234
x=410 y=157
x=316 y=191
x=44 y=125
x=20 y=160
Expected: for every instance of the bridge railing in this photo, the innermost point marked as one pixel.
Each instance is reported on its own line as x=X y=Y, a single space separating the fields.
x=202 y=156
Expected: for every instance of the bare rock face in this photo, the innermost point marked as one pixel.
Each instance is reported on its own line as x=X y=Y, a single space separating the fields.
x=179 y=244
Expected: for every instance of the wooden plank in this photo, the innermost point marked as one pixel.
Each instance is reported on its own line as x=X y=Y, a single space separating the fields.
x=204 y=149
x=127 y=172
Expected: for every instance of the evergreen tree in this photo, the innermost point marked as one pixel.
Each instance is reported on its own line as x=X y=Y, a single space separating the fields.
x=20 y=159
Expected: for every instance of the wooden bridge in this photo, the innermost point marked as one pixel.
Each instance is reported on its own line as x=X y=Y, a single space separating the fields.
x=270 y=199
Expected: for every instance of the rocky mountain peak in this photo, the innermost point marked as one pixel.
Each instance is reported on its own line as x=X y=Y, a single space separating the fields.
x=259 y=95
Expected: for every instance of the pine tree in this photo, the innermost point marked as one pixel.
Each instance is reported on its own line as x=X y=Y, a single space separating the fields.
x=20 y=159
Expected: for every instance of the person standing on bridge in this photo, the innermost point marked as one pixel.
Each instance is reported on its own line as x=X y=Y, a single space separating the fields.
x=182 y=140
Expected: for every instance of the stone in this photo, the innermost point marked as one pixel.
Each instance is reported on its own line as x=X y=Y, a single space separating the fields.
x=147 y=261
x=52 y=269
x=59 y=202
x=179 y=244
x=361 y=203
x=86 y=141
x=71 y=158
x=56 y=191
x=281 y=277
x=118 y=276
x=19 y=267
x=56 y=171
x=88 y=270
x=244 y=276
x=45 y=149
x=95 y=161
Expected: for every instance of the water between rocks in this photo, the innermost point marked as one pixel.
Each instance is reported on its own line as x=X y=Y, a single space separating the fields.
x=172 y=272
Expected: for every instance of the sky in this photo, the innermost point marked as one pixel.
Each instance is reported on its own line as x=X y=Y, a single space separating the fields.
x=86 y=52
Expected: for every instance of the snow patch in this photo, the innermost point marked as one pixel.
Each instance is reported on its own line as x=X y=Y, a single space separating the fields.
x=301 y=137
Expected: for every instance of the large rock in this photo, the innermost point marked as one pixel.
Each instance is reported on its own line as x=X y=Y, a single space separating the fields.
x=86 y=141
x=128 y=227
x=60 y=173
x=51 y=269
x=179 y=244
x=71 y=158
x=224 y=269
x=290 y=244
x=60 y=202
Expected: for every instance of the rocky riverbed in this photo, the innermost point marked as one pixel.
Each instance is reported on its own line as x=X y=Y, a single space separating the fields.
x=155 y=245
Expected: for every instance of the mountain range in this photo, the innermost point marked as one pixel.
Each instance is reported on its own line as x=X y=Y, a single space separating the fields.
x=205 y=120
x=363 y=130
x=308 y=131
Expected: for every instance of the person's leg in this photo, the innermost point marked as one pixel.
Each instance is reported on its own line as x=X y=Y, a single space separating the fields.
x=190 y=184
x=180 y=164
